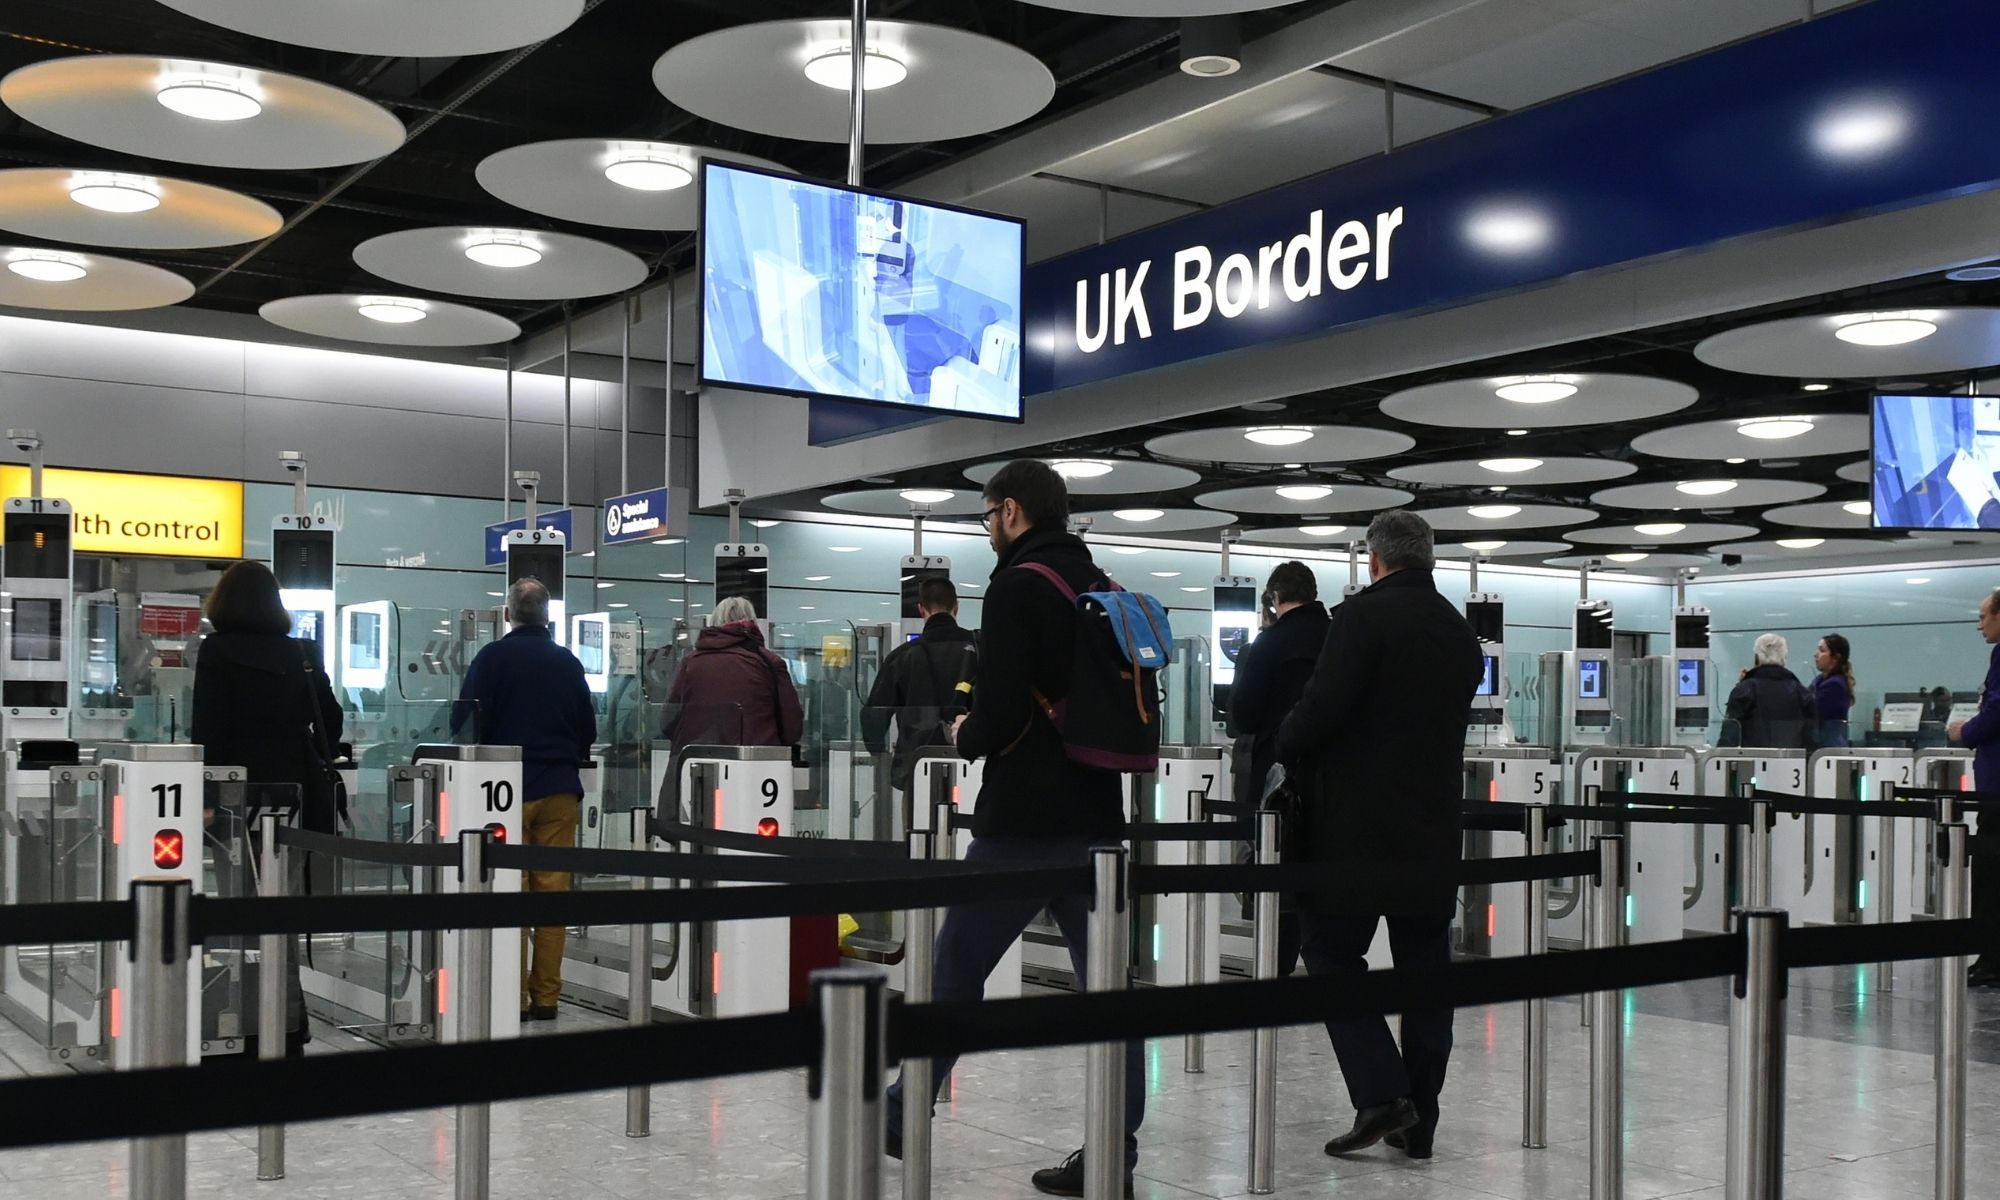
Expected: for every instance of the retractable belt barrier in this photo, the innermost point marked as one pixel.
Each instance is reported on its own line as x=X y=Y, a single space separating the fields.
x=1781 y=802
x=401 y=854
x=1157 y=831
x=1240 y=809
x=1315 y=879
x=732 y=868
x=1612 y=814
x=1972 y=801
x=66 y=921
x=789 y=847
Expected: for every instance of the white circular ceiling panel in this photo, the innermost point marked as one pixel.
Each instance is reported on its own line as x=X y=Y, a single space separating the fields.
x=1512 y=470
x=936 y=83
x=1706 y=494
x=1767 y=550
x=1328 y=535
x=892 y=502
x=214 y=114
x=1307 y=499
x=1827 y=514
x=1103 y=476
x=1848 y=346
x=1659 y=533
x=1161 y=8
x=1545 y=401
x=577 y=179
x=1654 y=560
x=70 y=281
x=556 y=266
x=141 y=212
x=1168 y=520
x=431 y=29
x=1502 y=514
x=1856 y=472
x=1279 y=443
x=1804 y=435
x=1507 y=548
x=398 y=320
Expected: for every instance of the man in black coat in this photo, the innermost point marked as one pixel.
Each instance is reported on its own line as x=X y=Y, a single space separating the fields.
x=923 y=685
x=1378 y=743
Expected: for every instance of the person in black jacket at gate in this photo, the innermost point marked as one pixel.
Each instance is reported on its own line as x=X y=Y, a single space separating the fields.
x=1377 y=743
x=1037 y=805
x=1769 y=707
x=924 y=685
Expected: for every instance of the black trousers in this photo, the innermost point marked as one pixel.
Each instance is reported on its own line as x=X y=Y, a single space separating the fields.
x=1375 y=1069
x=1986 y=893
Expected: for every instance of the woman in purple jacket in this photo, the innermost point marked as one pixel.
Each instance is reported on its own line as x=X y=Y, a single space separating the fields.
x=1833 y=690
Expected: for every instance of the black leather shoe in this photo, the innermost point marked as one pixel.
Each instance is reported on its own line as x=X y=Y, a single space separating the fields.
x=892 y=1140
x=1067 y=1179
x=538 y=1013
x=1982 y=974
x=1374 y=1123
x=1409 y=1142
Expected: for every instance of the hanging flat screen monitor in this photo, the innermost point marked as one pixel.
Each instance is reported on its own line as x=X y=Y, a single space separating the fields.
x=1934 y=462
x=815 y=290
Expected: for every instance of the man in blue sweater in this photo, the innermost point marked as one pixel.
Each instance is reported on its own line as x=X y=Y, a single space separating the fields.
x=525 y=690
x=1981 y=735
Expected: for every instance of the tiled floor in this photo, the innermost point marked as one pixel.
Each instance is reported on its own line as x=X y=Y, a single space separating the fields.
x=1859 y=1122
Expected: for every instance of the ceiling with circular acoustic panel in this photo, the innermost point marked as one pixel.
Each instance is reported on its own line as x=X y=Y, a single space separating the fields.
x=1514 y=470
x=1659 y=533
x=72 y=281
x=1707 y=493
x=1103 y=476
x=1502 y=514
x=1807 y=546
x=1304 y=498
x=134 y=211
x=1827 y=514
x=1856 y=472
x=424 y=29
x=1140 y=520
x=501 y=263
x=896 y=502
x=209 y=113
x=1637 y=560
x=1328 y=535
x=1866 y=344
x=1277 y=444
x=1805 y=435
x=1161 y=8
x=790 y=79
x=1499 y=548
x=389 y=320
x=614 y=182
x=1539 y=401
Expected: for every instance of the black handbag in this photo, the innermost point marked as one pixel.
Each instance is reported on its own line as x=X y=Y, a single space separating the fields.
x=324 y=790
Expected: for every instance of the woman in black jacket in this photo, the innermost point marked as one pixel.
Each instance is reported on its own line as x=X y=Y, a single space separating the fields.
x=1769 y=707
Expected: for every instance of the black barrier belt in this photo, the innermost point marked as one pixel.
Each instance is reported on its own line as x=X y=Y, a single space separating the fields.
x=1190 y=831
x=1229 y=808
x=1508 y=820
x=401 y=854
x=1663 y=799
x=1611 y=814
x=225 y=1095
x=1322 y=880
x=1971 y=800
x=1918 y=810
x=69 y=921
x=791 y=847
x=967 y=1027
x=737 y=868
x=252 y=916
x=1527 y=867
x=1842 y=945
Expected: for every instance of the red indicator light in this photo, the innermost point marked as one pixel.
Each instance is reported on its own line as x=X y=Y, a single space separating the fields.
x=444 y=990
x=1493 y=791
x=168 y=849
x=1492 y=920
x=118 y=819
x=1965 y=783
x=954 y=796
x=718 y=808
x=117 y=1014
x=715 y=975
x=498 y=832
x=767 y=827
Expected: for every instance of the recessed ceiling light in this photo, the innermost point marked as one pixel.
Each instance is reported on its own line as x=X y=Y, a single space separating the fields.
x=617 y=604
x=496 y=593
x=1496 y=489
x=1706 y=487
x=1322 y=530
x=1800 y=543
x=1509 y=230
x=1304 y=491
x=1194 y=589
x=1659 y=529
x=391 y=310
x=835 y=69
x=1081 y=468
x=1536 y=389
x=763 y=524
x=1166 y=574
x=1278 y=435
x=647 y=171
x=1139 y=515
x=507 y=251
x=845 y=549
x=672 y=574
x=818 y=578
x=1859 y=508
x=47 y=267
x=807 y=607
x=1484 y=547
x=115 y=193
x=1128 y=551
x=1517 y=433
x=1735 y=462
x=1295 y=466
x=1974 y=275
x=927 y=495
x=1917 y=580
x=1510 y=466
x=588 y=554
x=1860 y=129
x=1771 y=429
x=1815 y=387
x=1885 y=329
x=605 y=583
x=209 y=99
x=1494 y=512
x=1629 y=556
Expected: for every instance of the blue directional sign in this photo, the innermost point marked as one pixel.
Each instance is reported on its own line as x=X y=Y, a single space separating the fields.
x=636 y=517
x=562 y=519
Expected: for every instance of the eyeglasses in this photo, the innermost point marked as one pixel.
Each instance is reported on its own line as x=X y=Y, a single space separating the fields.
x=986 y=518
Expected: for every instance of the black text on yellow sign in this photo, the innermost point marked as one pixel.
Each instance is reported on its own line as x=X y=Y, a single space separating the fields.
x=143 y=514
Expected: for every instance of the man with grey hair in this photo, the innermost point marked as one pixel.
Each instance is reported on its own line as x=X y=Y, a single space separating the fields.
x=1376 y=746
x=525 y=690
x=1769 y=706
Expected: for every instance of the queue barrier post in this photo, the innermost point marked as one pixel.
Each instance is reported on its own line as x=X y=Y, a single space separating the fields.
x=1264 y=1042
x=472 y=1168
x=159 y=956
x=1607 y=1063
x=1107 y=968
x=844 y=1089
x=1952 y=1017
x=1757 y=855
x=639 y=986
x=1535 y=1043
x=1755 y=1163
x=1194 y=1049
x=273 y=973
x=919 y=946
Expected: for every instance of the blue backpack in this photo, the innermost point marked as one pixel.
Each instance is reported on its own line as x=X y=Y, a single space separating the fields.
x=1110 y=718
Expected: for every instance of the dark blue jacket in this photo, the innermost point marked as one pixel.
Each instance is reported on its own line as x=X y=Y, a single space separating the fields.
x=529 y=692
x=1981 y=734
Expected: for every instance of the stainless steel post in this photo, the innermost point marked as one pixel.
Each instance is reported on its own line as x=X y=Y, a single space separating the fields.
x=1264 y=1042
x=1757 y=856
x=844 y=1086
x=159 y=956
x=667 y=409
x=1194 y=1051
x=1952 y=1018
x=1607 y=1065
x=625 y=398
x=1755 y=1164
x=507 y=445
x=1885 y=973
x=273 y=972
x=567 y=322
x=857 y=91
x=473 y=1166
x=1106 y=967
x=919 y=938
x=639 y=989
x=1535 y=1043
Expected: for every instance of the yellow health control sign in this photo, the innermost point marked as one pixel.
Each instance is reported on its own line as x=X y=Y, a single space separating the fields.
x=143 y=514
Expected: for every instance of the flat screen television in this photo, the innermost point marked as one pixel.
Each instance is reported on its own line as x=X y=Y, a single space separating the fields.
x=1934 y=462
x=811 y=289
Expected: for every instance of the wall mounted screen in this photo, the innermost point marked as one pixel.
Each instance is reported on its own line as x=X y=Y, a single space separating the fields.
x=1935 y=462
x=815 y=290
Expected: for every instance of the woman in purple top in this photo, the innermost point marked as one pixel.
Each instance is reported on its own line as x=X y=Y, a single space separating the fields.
x=1833 y=690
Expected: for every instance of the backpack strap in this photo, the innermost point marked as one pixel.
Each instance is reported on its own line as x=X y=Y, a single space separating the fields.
x=1053 y=576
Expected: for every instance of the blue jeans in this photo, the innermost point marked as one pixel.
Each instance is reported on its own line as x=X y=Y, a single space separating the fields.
x=975 y=937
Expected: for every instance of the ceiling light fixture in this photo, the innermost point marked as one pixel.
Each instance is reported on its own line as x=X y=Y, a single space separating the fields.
x=1536 y=389
x=1081 y=468
x=818 y=578
x=927 y=495
x=1484 y=547
x=1510 y=466
x=1800 y=543
x=1859 y=508
x=1917 y=580
x=647 y=171
x=1885 y=329
x=1304 y=492
x=1517 y=433
x=115 y=193
x=835 y=69
x=1494 y=512
x=1139 y=515
x=1278 y=435
x=1629 y=556
x=1706 y=487
x=1735 y=462
x=1659 y=529
x=1128 y=551
x=1194 y=589
x=1815 y=387
x=845 y=549
x=1772 y=429
x=208 y=99
x=507 y=251
x=1974 y=275
x=47 y=267
x=1323 y=531
x=1165 y=574
x=391 y=310
x=766 y=524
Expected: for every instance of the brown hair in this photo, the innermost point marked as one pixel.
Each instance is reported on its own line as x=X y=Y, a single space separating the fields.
x=1836 y=645
x=245 y=600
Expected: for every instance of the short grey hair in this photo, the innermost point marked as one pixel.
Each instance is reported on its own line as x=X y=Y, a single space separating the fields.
x=528 y=602
x=1770 y=650
x=732 y=610
x=1403 y=541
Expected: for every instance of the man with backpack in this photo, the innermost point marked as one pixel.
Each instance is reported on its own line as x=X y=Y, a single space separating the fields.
x=924 y=685
x=1039 y=805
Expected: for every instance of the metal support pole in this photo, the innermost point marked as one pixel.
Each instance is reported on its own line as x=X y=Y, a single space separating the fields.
x=1106 y=968
x=273 y=972
x=1194 y=1051
x=475 y=1020
x=1757 y=856
x=159 y=957
x=507 y=445
x=1953 y=1019
x=1535 y=1045
x=1607 y=1065
x=567 y=323
x=1264 y=1042
x=1885 y=972
x=919 y=942
x=639 y=989
x=844 y=1086
x=1755 y=1163
x=667 y=411
x=857 y=104
x=625 y=399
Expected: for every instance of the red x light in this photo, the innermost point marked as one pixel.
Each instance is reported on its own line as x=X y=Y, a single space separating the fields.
x=767 y=827
x=168 y=849
x=498 y=831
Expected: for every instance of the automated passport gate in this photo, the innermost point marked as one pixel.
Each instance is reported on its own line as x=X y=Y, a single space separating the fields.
x=1180 y=936
x=728 y=968
x=474 y=788
x=1920 y=874
x=1854 y=858
x=1656 y=853
x=1491 y=923
x=1716 y=875
x=942 y=776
